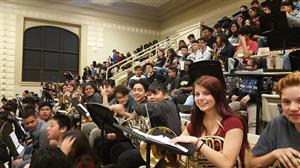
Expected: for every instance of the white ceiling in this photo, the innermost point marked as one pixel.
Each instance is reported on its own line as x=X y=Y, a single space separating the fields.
x=150 y=3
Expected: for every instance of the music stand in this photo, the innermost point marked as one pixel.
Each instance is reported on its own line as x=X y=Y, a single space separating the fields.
x=149 y=142
x=103 y=118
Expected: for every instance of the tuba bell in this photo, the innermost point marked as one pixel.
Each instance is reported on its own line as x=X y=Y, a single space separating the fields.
x=158 y=157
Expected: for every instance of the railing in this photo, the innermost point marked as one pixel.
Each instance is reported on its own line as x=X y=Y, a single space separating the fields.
x=145 y=54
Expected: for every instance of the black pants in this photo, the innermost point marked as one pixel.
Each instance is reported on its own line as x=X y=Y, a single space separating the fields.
x=130 y=159
x=119 y=148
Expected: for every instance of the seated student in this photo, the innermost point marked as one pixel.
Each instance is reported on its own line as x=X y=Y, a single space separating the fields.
x=138 y=74
x=139 y=92
x=194 y=52
x=151 y=75
x=213 y=117
x=91 y=93
x=107 y=89
x=244 y=50
x=45 y=111
x=244 y=96
x=128 y=103
x=75 y=146
x=38 y=130
x=206 y=33
x=57 y=126
x=123 y=97
x=185 y=86
x=4 y=155
x=205 y=51
x=162 y=112
x=172 y=81
x=281 y=138
x=49 y=157
x=293 y=16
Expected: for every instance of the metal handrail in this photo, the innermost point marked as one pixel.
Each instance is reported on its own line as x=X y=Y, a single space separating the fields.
x=137 y=54
x=130 y=60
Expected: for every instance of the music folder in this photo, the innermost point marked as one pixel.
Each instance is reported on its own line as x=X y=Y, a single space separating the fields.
x=102 y=116
x=161 y=140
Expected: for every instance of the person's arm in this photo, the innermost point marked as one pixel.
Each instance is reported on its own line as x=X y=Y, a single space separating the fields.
x=247 y=53
x=287 y=156
x=293 y=20
x=231 y=148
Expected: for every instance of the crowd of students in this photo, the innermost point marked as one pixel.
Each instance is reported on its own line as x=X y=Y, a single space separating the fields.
x=55 y=136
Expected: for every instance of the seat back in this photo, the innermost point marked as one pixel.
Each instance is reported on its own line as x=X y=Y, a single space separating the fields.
x=270 y=106
x=295 y=60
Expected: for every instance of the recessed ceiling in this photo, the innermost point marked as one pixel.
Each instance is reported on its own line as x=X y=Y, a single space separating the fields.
x=150 y=3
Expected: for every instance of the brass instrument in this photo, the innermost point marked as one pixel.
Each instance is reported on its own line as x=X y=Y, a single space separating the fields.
x=198 y=160
x=164 y=158
x=140 y=123
x=277 y=164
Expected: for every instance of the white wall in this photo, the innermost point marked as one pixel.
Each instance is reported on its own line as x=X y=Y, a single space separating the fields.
x=98 y=37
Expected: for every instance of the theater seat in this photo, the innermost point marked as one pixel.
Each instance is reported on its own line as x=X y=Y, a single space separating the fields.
x=270 y=108
x=295 y=60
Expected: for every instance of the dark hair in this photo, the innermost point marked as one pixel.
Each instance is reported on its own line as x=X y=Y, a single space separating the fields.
x=121 y=89
x=202 y=39
x=234 y=34
x=185 y=46
x=172 y=51
x=244 y=19
x=256 y=10
x=81 y=155
x=194 y=41
x=157 y=86
x=287 y=3
x=89 y=84
x=244 y=6
x=150 y=64
x=143 y=82
x=109 y=82
x=137 y=67
x=62 y=120
x=43 y=104
x=26 y=91
x=191 y=36
x=217 y=90
x=254 y=1
x=246 y=30
x=27 y=113
x=173 y=69
x=49 y=157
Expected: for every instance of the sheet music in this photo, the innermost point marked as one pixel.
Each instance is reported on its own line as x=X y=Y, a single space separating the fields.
x=15 y=140
x=84 y=109
x=161 y=139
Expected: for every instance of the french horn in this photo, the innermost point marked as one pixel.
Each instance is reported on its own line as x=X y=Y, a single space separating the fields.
x=140 y=123
x=278 y=164
x=198 y=160
x=158 y=157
